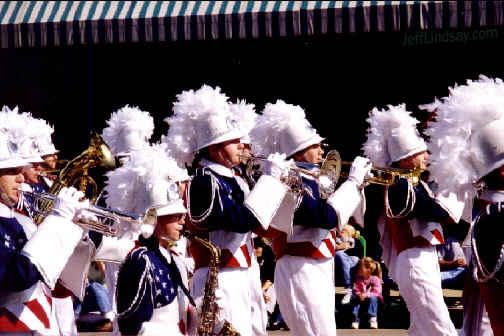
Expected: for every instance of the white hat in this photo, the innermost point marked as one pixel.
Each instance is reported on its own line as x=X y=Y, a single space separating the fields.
x=246 y=116
x=200 y=118
x=9 y=158
x=467 y=138
x=145 y=182
x=42 y=132
x=128 y=129
x=392 y=136
x=283 y=128
x=21 y=133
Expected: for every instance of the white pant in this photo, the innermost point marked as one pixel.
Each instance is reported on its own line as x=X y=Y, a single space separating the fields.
x=305 y=293
x=65 y=316
x=259 y=312
x=417 y=274
x=233 y=297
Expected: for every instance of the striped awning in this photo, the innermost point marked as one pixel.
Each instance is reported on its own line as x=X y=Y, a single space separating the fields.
x=59 y=23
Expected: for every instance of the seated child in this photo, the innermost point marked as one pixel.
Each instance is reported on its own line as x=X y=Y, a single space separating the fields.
x=343 y=262
x=367 y=289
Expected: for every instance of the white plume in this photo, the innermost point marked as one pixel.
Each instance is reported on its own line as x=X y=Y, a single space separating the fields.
x=126 y=119
x=127 y=186
x=22 y=130
x=270 y=124
x=467 y=109
x=383 y=125
x=245 y=114
x=190 y=109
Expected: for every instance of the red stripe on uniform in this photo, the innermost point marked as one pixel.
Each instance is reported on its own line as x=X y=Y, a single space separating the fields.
x=37 y=309
x=438 y=235
x=333 y=234
x=9 y=322
x=330 y=246
x=49 y=299
x=245 y=251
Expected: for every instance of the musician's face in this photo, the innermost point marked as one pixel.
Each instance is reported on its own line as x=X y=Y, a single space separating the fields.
x=247 y=151
x=10 y=182
x=31 y=174
x=227 y=153
x=169 y=226
x=312 y=154
x=418 y=160
x=50 y=160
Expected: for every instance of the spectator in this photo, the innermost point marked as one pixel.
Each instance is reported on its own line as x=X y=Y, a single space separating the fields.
x=367 y=289
x=344 y=263
x=452 y=263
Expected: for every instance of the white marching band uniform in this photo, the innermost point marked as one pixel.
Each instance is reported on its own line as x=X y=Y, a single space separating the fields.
x=410 y=224
x=463 y=160
x=305 y=264
x=220 y=206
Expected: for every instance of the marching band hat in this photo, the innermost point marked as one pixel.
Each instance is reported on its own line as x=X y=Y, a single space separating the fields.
x=129 y=129
x=9 y=158
x=283 y=128
x=246 y=116
x=200 y=119
x=392 y=136
x=467 y=137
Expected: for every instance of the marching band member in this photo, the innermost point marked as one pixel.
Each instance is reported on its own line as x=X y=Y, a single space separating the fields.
x=32 y=257
x=467 y=144
x=247 y=117
x=220 y=206
x=410 y=225
x=152 y=295
x=304 y=274
x=128 y=130
x=46 y=149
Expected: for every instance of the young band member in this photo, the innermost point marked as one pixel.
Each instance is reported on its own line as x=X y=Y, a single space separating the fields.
x=304 y=274
x=152 y=295
x=410 y=225
x=128 y=130
x=467 y=143
x=31 y=257
x=220 y=206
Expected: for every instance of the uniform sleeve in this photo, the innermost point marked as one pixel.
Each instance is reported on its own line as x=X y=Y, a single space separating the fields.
x=426 y=207
x=17 y=272
x=226 y=212
x=133 y=296
x=315 y=212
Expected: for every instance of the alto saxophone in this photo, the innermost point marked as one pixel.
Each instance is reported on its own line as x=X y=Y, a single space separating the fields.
x=209 y=307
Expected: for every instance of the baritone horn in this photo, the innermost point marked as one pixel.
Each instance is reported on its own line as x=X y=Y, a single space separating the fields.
x=106 y=220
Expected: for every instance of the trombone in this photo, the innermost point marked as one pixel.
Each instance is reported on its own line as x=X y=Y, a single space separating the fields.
x=107 y=220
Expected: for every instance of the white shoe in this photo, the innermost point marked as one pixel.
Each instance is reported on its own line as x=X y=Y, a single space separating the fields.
x=373 y=323
x=355 y=325
x=346 y=298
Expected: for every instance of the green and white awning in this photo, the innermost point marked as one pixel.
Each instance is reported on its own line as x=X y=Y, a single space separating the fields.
x=59 y=23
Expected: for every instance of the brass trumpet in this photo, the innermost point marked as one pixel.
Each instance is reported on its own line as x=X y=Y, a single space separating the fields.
x=107 y=220
x=326 y=174
x=387 y=176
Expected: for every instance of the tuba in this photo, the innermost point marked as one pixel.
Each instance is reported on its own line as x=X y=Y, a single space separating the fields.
x=75 y=173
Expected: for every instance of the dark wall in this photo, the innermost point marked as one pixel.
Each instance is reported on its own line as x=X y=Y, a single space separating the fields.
x=337 y=79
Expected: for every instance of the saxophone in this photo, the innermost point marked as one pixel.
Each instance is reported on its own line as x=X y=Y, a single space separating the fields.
x=209 y=307
x=75 y=173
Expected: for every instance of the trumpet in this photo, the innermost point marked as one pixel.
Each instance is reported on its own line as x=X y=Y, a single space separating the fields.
x=107 y=220
x=326 y=174
x=387 y=176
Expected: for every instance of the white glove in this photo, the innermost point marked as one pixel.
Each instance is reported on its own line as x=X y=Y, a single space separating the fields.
x=361 y=167
x=277 y=166
x=67 y=203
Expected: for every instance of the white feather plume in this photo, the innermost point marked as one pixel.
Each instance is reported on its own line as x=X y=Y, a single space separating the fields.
x=127 y=118
x=127 y=186
x=270 y=124
x=189 y=110
x=245 y=114
x=467 y=109
x=21 y=129
x=384 y=124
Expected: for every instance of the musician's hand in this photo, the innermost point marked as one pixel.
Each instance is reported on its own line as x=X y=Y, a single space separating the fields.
x=460 y=262
x=277 y=166
x=67 y=203
x=360 y=169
